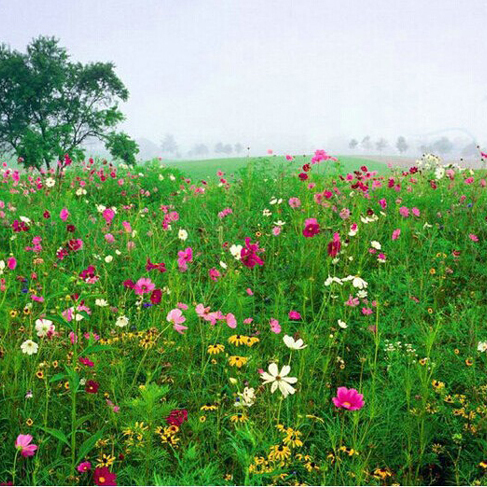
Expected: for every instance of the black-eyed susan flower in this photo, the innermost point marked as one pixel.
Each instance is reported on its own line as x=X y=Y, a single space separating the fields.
x=238 y=340
x=216 y=349
x=209 y=407
x=239 y=418
x=279 y=452
x=237 y=361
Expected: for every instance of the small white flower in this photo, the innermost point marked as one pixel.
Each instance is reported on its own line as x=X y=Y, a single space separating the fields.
x=247 y=397
x=50 y=182
x=359 y=283
x=43 y=327
x=266 y=212
x=342 y=324
x=482 y=347
x=279 y=379
x=102 y=303
x=122 y=321
x=101 y=208
x=362 y=294
x=80 y=192
x=172 y=177
x=161 y=177
x=294 y=344
x=118 y=252
x=29 y=347
x=375 y=245
x=279 y=223
x=222 y=264
x=108 y=258
x=25 y=219
x=182 y=234
x=235 y=250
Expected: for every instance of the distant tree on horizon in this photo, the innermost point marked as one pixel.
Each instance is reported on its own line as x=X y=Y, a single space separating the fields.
x=366 y=143
x=353 y=144
x=238 y=148
x=381 y=144
x=401 y=144
x=471 y=149
x=169 y=145
x=443 y=146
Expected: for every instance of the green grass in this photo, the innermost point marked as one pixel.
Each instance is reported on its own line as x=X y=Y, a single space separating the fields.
x=207 y=168
x=410 y=341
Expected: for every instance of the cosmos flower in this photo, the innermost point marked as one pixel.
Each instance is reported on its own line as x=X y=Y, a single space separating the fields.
x=348 y=399
x=279 y=379
x=24 y=444
x=29 y=347
x=293 y=344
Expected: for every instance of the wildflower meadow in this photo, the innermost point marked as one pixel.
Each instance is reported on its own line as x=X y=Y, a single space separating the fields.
x=293 y=322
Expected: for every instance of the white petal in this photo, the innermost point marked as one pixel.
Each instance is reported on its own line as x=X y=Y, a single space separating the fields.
x=285 y=370
x=274 y=386
x=273 y=370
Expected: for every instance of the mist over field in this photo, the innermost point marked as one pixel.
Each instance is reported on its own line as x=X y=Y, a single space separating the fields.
x=283 y=75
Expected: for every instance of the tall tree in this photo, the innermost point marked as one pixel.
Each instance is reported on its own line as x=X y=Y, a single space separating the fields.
x=50 y=105
x=381 y=144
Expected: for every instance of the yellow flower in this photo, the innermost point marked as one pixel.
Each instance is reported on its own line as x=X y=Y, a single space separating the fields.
x=382 y=473
x=105 y=461
x=310 y=466
x=236 y=360
x=239 y=418
x=437 y=384
x=238 y=340
x=40 y=374
x=29 y=422
x=209 y=407
x=215 y=349
x=293 y=439
x=13 y=313
x=252 y=341
x=202 y=419
x=279 y=452
x=469 y=362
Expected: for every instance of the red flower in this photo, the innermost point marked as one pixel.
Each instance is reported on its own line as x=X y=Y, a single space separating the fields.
x=177 y=417
x=92 y=387
x=303 y=176
x=161 y=267
x=156 y=296
x=248 y=255
x=103 y=476
x=311 y=228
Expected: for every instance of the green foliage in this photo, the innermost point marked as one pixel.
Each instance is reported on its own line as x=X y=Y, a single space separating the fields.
x=121 y=146
x=50 y=105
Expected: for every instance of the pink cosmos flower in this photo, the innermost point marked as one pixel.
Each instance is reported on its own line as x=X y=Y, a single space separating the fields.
x=348 y=399
x=184 y=257
x=214 y=274
x=64 y=214
x=294 y=315
x=231 y=320
x=248 y=254
x=396 y=233
x=12 y=263
x=84 y=467
x=175 y=316
x=144 y=285
x=415 y=211
x=473 y=237
x=108 y=214
x=294 y=202
x=404 y=211
x=23 y=443
x=275 y=326
x=249 y=291
x=335 y=245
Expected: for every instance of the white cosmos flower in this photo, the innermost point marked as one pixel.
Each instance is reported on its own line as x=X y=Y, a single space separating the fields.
x=101 y=302
x=359 y=283
x=362 y=294
x=235 y=251
x=29 y=347
x=482 y=347
x=108 y=258
x=247 y=397
x=294 y=344
x=331 y=280
x=80 y=192
x=279 y=223
x=266 y=212
x=342 y=324
x=222 y=264
x=101 y=208
x=50 y=182
x=2 y=266
x=122 y=321
x=375 y=245
x=182 y=234
x=25 y=219
x=43 y=326
x=279 y=379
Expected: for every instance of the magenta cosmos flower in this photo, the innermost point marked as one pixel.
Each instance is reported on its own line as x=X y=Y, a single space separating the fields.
x=144 y=285
x=348 y=399
x=23 y=443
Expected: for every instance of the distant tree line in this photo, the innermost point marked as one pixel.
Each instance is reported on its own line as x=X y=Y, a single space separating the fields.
x=442 y=146
x=169 y=147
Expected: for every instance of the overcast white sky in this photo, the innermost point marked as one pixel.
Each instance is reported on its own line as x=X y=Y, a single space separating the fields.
x=277 y=73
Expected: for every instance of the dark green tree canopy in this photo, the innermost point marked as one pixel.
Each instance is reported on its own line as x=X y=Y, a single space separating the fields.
x=50 y=105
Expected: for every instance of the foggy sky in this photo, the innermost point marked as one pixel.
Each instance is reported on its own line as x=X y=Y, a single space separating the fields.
x=281 y=74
